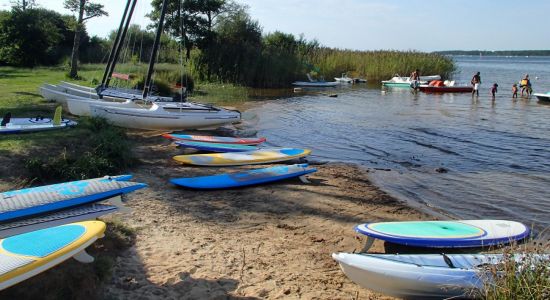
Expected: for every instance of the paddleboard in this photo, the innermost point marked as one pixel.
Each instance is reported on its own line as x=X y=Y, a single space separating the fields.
x=20 y=125
x=215 y=147
x=45 y=199
x=252 y=177
x=243 y=158
x=423 y=276
x=26 y=255
x=71 y=215
x=215 y=139
x=446 y=234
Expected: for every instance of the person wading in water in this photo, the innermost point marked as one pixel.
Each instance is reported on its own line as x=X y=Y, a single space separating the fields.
x=476 y=81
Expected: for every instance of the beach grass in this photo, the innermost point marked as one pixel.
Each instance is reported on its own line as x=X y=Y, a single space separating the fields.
x=525 y=278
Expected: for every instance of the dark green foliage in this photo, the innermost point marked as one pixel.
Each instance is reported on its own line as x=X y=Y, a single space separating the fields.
x=105 y=151
x=36 y=37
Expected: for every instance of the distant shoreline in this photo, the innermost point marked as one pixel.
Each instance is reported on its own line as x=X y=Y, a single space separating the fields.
x=495 y=53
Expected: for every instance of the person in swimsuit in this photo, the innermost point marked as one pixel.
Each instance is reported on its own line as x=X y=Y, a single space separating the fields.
x=514 y=91
x=415 y=78
x=476 y=81
x=494 y=90
x=525 y=85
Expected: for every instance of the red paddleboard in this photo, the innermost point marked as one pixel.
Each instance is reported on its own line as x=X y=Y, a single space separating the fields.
x=214 y=139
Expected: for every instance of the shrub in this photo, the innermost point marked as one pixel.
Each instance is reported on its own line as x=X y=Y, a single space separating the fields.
x=104 y=151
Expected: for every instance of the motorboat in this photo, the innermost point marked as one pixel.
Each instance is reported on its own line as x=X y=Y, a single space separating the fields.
x=438 y=86
x=400 y=81
x=543 y=97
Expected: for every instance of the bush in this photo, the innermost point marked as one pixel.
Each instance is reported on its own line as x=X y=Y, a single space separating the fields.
x=105 y=151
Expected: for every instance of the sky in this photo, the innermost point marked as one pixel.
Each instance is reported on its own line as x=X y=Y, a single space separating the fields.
x=424 y=25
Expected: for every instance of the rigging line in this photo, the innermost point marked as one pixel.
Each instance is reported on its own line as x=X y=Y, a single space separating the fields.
x=117 y=52
x=115 y=44
x=154 y=55
x=183 y=61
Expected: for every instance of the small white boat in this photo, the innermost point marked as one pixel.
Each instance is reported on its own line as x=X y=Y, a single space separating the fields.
x=424 y=276
x=175 y=116
x=543 y=97
x=344 y=79
x=315 y=83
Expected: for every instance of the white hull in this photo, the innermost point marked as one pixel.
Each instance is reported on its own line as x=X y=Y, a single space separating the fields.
x=81 y=107
x=344 y=80
x=165 y=118
x=78 y=87
x=542 y=97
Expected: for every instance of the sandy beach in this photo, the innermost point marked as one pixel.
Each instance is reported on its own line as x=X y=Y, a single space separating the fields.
x=271 y=241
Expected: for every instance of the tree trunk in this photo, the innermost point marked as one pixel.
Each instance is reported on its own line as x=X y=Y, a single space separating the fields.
x=76 y=45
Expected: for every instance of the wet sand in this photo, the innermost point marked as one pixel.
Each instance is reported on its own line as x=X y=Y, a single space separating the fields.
x=271 y=241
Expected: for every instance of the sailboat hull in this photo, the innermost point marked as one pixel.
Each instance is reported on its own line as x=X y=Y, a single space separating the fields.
x=157 y=118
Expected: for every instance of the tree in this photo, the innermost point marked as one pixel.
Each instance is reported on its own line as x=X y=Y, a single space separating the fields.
x=86 y=10
x=193 y=21
x=32 y=37
x=23 y=4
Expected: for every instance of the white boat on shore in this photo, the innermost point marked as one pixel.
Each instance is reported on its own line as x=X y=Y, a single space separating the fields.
x=175 y=116
x=426 y=276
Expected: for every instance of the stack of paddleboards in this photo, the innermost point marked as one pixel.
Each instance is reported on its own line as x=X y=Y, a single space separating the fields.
x=38 y=229
x=228 y=151
x=429 y=276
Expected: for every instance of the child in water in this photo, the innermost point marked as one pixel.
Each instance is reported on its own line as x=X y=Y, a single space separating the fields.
x=494 y=90
x=514 y=91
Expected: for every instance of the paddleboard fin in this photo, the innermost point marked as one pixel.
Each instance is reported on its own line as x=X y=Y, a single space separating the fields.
x=84 y=257
x=57 y=116
x=303 y=178
x=6 y=119
x=368 y=244
x=117 y=201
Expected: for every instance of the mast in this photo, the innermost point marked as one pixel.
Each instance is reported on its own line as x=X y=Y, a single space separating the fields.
x=115 y=44
x=120 y=43
x=147 y=86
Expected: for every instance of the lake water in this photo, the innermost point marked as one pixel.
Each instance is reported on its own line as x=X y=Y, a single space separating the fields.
x=496 y=153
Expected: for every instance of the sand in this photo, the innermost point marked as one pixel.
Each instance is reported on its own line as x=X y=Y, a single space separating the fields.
x=265 y=242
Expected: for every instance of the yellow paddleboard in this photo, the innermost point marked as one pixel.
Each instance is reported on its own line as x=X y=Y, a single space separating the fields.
x=25 y=255
x=243 y=158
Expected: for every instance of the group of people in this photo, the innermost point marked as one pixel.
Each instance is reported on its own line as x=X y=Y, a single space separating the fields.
x=525 y=85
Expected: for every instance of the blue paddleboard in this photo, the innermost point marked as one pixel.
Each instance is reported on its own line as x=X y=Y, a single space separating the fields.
x=45 y=199
x=216 y=147
x=244 y=178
